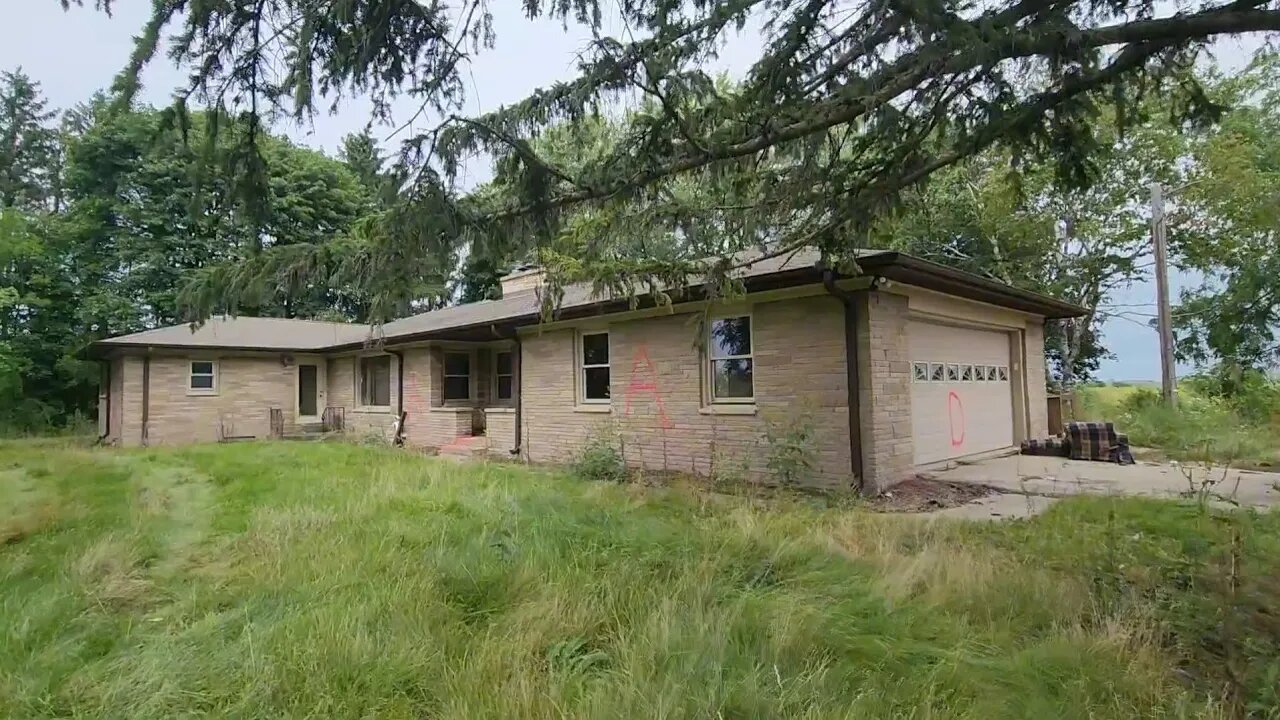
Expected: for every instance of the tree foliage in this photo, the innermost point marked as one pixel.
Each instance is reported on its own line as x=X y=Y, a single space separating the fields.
x=1026 y=227
x=847 y=105
x=110 y=216
x=1226 y=227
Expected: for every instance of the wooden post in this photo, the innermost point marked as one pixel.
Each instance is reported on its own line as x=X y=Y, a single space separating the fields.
x=1164 y=319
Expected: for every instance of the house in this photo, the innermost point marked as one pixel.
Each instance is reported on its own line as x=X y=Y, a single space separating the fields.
x=906 y=365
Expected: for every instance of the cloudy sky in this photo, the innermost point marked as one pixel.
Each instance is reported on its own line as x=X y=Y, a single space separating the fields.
x=74 y=54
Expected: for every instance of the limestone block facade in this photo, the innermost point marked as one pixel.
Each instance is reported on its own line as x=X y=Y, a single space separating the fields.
x=523 y=387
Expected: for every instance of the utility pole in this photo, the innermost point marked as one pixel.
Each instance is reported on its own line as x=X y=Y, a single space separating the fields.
x=1164 y=319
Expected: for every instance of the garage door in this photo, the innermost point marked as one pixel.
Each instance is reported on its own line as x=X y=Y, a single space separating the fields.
x=961 y=396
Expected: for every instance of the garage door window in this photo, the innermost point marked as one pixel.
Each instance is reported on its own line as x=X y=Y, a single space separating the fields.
x=920 y=372
x=931 y=372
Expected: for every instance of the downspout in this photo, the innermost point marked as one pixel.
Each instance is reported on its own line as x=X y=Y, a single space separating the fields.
x=849 y=301
x=106 y=364
x=398 y=440
x=146 y=395
x=519 y=391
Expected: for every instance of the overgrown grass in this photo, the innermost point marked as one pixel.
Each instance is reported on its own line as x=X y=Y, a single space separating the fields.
x=291 y=580
x=1201 y=428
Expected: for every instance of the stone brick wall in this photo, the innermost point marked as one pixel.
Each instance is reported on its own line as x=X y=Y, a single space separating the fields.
x=342 y=393
x=657 y=407
x=1037 y=399
x=884 y=376
x=248 y=387
x=500 y=427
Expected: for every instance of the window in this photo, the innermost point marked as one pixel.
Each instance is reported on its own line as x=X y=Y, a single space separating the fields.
x=503 y=375
x=457 y=376
x=203 y=378
x=966 y=373
x=953 y=372
x=375 y=381
x=920 y=372
x=732 y=371
x=595 y=367
x=1002 y=373
x=936 y=371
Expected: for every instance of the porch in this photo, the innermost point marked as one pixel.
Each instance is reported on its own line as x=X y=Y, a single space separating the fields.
x=460 y=397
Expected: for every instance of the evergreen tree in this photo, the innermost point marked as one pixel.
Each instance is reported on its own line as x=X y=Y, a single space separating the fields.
x=28 y=144
x=848 y=105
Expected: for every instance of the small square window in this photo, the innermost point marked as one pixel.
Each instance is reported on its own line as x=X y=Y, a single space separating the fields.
x=953 y=372
x=966 y=373
x=920 y=372
x=203 y=377
x=991 y=373
x=1002 y=373
x=980 y=373
x=937 y=372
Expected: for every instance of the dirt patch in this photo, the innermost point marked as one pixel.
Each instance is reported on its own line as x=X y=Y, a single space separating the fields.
x=920 y=495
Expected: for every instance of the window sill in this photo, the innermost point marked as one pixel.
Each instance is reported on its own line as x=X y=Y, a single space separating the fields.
x=600 y=408
x=500 y=410
x=373 y=410
x=202 y=393
x=453 y=408
x=728 y=409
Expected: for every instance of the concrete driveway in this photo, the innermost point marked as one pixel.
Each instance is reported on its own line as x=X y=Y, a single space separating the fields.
x=1051 y=477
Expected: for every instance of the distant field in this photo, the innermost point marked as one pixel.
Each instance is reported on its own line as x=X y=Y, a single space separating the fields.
x=332 y=581
x=1201 y=428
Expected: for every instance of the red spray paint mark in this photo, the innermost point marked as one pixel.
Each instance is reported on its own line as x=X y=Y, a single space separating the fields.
x=644 y=379
x=955 y=407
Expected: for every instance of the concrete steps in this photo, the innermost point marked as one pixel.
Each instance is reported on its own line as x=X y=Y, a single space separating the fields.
x=307 y=431
x=467 y=448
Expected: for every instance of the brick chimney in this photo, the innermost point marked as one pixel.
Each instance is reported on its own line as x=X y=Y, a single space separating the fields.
x=521 y=279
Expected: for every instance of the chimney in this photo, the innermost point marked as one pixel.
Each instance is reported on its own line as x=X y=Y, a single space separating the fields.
x=520 y=279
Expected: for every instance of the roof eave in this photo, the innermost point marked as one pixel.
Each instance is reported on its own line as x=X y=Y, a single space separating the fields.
x=101 y=348
x=933 y=276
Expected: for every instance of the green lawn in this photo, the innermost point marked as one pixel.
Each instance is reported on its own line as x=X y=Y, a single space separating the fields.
x=327 y=580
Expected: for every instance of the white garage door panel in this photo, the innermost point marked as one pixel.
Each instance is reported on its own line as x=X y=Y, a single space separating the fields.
x=956 y=417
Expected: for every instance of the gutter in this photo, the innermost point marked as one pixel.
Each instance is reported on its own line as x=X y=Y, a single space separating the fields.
x=146 y=395
x=912 y=270
x=398 y=440
x=106 y=365
x=519 y=392
x=849 y=301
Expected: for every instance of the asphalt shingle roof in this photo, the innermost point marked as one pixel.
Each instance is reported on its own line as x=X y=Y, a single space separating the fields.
x=250 y=333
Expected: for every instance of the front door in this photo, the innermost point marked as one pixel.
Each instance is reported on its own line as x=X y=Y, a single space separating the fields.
x=308 y=392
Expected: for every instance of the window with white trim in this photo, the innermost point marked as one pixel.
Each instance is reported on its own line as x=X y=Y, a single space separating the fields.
x=503 y=375
x=593 y=371
x=374 y=380
x=457 y=376
x=203 y=377
x=732 y=369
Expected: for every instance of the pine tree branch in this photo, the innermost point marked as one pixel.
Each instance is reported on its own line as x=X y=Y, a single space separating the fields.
x=913 y=68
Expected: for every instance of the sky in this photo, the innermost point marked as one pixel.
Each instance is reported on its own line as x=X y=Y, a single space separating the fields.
x=73 y=54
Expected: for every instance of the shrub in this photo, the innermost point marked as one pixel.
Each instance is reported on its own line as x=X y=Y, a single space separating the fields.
x=790 y=447
x=600 y=457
